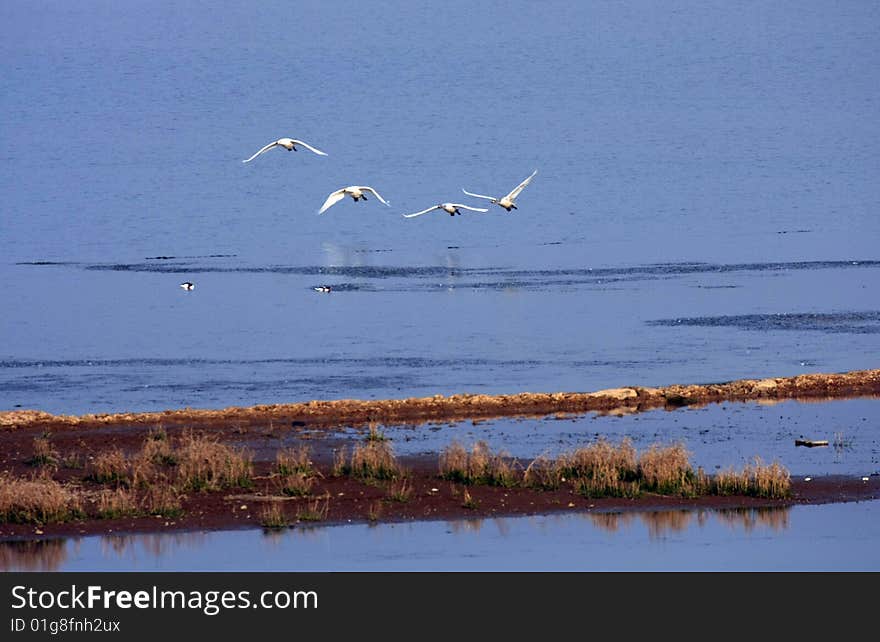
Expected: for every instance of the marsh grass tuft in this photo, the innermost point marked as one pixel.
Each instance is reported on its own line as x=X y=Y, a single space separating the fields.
x=374 y=461
x=206 y=464
x=375 y=434
x=400 y=491
x=340 y=466
x=44 y=453
x=295 y=484
x=467 y=501
x=38 y=500
x=315 y=511
x=273 y=517
x=756 y=479
x=114 y=504
x=667 y=470
x=294 y=460
x=162 y=500
x=543 y=473
x=110 y=467
x=479 y=466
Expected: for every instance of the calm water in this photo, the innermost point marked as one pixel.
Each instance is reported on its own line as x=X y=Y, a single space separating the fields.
x=706 y=204
x=833 y=537
x=717 y=436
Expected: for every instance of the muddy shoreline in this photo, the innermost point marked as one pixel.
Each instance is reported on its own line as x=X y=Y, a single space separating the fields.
x=323 y=426
x=329 y=414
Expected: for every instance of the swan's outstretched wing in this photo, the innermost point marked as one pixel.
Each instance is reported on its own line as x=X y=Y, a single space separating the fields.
x=430 y=209
x=265 y=149
x=468 y=207
x=307 y=146
x=516 y=190
x=364 y=188
x=488 y=198
x=334 y=198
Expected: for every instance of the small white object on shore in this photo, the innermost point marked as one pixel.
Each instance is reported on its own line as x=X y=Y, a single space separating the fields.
x=808 y=478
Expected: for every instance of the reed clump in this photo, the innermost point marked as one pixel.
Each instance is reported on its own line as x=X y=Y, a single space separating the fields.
x=479 y=466
x=45 y=453
x=206 y=464
x=756 y=479
x=295 y=484
x=38 y=500
x=374 y=461
x=297 y=460
x=273 y=517
x=117 y=503
x=110 y=467
x=315 y=511
x=666 y=470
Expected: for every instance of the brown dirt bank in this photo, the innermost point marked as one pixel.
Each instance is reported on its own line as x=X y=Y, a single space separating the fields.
x=466 y=406
x=351 y=501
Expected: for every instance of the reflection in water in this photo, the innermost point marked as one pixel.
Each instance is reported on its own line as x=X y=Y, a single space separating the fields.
x=132 y=551
x=154 y=545
x=33 y=555
x=661 y=523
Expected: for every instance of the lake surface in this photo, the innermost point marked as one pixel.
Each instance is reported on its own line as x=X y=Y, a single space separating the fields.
x=705 y=209
x=831 y=537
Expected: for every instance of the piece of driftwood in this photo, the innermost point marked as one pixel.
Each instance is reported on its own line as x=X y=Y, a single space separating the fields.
x=810 y=443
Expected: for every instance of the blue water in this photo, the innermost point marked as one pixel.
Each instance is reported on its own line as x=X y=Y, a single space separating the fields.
x=831 y=537
x=705 y=206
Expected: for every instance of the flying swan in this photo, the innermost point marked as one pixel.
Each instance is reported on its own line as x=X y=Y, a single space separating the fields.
x=507 y=202
x=355 y=191
x=287 y=143
x=450 y=208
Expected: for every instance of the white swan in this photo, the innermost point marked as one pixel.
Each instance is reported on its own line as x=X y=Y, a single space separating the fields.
x=287 y=143
x=355 y=191
x=507 y=202
x=450 y=208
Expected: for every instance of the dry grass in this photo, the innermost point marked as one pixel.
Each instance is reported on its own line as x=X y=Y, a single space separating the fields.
x=294 y=484
x=479 y=466
x=400 y=491
x=544 y=473
x=110 y=467
x=206 y=464
x=294 y=460
x=467 y=501
x=39 y=500
x=44 y=453
x=162 y=500
x=374 y=512
x=273 y=517
x=374 y=460
x=756 y=479
x=315 y=511
x=113 y=504
x=667 y=470
x=601 y=460
x=340 y=463
x=375 y=434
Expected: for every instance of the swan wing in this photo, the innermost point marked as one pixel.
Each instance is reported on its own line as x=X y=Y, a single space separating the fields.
x=309 y=147
x=370 y=189
x=334 y=198
x=430 y=209
x=265 y=149
x=489 y=198
x=516 y=190
x=468 y=207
